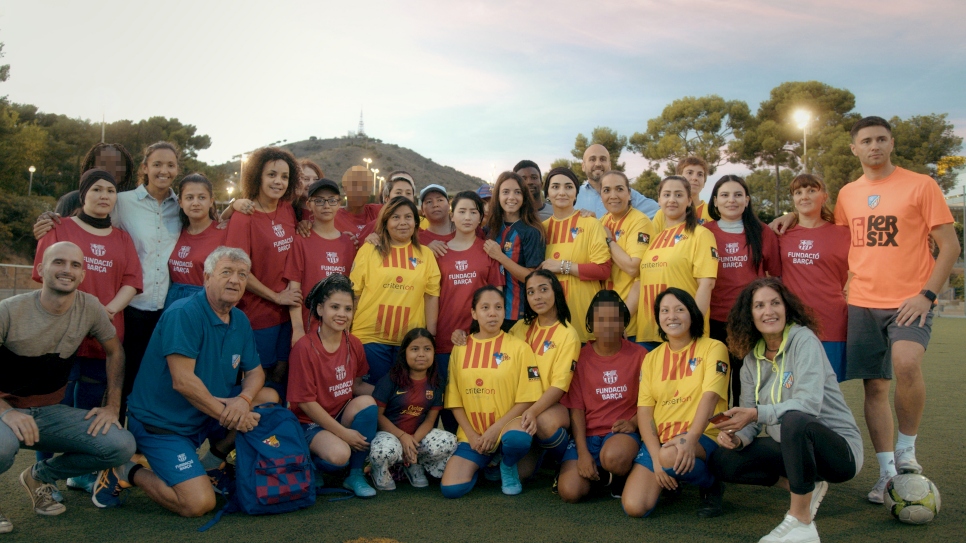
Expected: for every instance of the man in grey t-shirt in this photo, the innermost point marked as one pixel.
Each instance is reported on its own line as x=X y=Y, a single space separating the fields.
x=39 y=333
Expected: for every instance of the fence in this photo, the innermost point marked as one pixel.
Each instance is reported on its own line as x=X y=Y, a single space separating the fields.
x=15 y=279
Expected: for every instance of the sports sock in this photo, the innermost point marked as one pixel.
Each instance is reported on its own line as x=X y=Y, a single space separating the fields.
x=124 y=471
x=887 y=463
x=556 y=444
x=904 y=441
x=699 y=475
x=365 y=423
x=456 y=491
x=516 y=445
x=211 y=460
x=325 y=467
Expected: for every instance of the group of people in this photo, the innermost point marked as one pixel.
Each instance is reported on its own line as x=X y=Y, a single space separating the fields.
x=632 y=345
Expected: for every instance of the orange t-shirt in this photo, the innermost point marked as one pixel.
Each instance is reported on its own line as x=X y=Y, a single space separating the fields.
x=890 y=220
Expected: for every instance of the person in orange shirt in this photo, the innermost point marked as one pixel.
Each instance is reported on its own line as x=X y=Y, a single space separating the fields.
x=892 y=212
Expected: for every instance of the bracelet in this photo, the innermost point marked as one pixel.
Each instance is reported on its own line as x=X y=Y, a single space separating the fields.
x=245 y=397
x=9 y=409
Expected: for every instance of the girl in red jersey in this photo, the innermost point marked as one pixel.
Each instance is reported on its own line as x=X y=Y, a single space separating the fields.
x=409 y=399
x=815 y=264
x=516 y=239
x=325 y=251
x=603 y=404
x=747 y=250
x=200 y=235
x=267 y=235
x=325 y=386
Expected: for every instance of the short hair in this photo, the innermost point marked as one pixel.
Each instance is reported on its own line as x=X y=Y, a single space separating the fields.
x=866 y=122
x=807 y=180
x=609 y=297
x=471 y=196
x=231 y=253
x=564 y=171
x=149 y=150
x=252 y=178
x=527 y=164
x=691 y=161
x=697 y=318
x=743 y=335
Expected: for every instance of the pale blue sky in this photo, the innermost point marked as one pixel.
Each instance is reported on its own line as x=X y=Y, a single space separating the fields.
x=474 y=85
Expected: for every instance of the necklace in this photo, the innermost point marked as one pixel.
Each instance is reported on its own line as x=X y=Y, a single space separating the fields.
x=274 y=214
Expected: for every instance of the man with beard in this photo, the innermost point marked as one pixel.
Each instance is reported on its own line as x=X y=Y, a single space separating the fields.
x=596 y=163
x=533 y=179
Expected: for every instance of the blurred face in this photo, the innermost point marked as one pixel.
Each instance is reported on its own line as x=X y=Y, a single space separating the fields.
x=696 y=177
x=674 y=318
x=336 y=311
x=161 y=167
x=731 y=200
x=466 y=216
x=608 y=324
x=62 y=268
x=195 y=201
x=227 y=284
x=402 y=187
x=357 y=187
x=768 y=312
x=488 y=312
x=110 y=160
x=435 y=207
x=596 y=162
x=100 y=199
x=540 y=295
x=275 y=179
x=562 y=192
x=307 y=178
x=324 y=204
x=674 y=200
x=615 y=194
x=511 y=197
x=419 y=354
x=401 y=225
x=531 y=178
x=873 y=146
x=809 y=201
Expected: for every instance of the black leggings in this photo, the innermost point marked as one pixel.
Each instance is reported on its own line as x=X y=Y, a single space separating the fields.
x=719 y=330
x=138 y=328
x=809 y=451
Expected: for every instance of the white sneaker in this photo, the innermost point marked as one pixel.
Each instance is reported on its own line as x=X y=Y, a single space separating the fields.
x=381 y=478
x=5 y=525
x=791 y=530
x=906 y=461
x=821 y=487
x=877 y=494
x=416 y=475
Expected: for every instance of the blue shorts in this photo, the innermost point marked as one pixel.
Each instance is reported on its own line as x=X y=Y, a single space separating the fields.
x=312 y=429
x=273 y=344
x=173 y=457
x=835 y=351
x=380 y=357
x=594 y=445
x=176 y=291
x=644 y=457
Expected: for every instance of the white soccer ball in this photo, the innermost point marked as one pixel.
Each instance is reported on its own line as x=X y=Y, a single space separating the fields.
x=912 y=498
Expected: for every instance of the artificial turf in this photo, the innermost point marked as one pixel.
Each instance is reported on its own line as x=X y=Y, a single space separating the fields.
x=486 y=515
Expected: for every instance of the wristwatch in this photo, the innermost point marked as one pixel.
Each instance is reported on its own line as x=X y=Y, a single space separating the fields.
x=930 y=295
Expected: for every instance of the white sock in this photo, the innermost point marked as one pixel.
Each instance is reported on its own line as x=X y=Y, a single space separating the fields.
x=210 y=461
x=904 y=441
x=887 y=463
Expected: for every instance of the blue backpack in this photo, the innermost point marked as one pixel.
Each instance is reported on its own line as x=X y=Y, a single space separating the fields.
x=273 y=470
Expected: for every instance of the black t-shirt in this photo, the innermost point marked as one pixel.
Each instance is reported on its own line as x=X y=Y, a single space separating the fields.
x=407 y=407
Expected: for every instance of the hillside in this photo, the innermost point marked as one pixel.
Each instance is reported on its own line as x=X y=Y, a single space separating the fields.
x=336 y=155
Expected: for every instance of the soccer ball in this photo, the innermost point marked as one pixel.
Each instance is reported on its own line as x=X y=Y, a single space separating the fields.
x=912 y=498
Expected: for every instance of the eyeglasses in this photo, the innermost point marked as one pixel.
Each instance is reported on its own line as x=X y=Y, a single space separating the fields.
x=334 y=201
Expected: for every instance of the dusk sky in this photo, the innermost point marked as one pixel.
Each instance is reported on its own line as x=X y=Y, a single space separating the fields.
x=473 y=85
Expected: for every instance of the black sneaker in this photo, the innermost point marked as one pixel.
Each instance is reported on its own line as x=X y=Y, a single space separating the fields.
x=711 y=500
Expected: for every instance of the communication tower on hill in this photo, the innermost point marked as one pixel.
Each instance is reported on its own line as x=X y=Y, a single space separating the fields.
x=362 y=127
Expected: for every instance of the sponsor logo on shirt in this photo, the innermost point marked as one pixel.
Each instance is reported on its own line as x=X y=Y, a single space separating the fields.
x=272 y=441
x=332 y=258
x=874 y=201
x=610 y=377
x=675 y=400
x=398 y=284
x=98 y=250
x=340 y=372
x=654 y=263
x=398 y=392
x=183 y=251
x=788 y=379
x=278 y=229
x=573 y=366
x=732 y=248
x=533 y=373
x=461 y=265
x=500 y=358
x=480 y=389
x=875 y=231
x=721 y=367
x=643 y=238
x=806 y=245
x=235 y=360
x=714 y=253
x=412 y=410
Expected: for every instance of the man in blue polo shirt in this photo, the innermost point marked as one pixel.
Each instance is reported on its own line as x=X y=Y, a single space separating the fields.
x=185 y=392
x=596 y=163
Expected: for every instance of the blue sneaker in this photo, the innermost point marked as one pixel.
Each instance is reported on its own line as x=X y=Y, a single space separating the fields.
x=356 y=482
x=108 y=490
x=511 y=480
x=56 y=495
x=83 y=482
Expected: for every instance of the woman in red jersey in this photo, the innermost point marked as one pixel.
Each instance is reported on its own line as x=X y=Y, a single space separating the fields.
x=200 y=235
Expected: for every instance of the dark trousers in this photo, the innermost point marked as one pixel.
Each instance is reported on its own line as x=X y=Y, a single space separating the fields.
x=809 y=451
x=719 y=331
x=138 y=327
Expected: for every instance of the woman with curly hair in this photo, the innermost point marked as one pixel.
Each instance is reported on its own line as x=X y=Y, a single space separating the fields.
x=269 y=181
x=792 y=426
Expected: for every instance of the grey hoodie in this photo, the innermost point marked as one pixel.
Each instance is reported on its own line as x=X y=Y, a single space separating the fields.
x=800 y=379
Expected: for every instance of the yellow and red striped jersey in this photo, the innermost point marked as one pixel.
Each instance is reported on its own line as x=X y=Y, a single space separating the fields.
x=675 y=258
x=556 y=348
x=390 y=291
x=673 y=382
x=580 y=240
x=487 y=377
x=632 y=233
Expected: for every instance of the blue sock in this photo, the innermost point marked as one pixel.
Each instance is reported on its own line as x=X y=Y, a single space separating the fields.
x=516 y=445
x=365 y=423
x=699 y=476
x=457 y=491
x=325 y=467
x=556 y=444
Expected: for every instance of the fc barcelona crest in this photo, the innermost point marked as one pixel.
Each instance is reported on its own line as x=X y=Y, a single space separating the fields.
x=183 y=251
x=278 y=229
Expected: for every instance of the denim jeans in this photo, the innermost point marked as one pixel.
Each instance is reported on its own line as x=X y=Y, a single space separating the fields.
x=64 y=430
